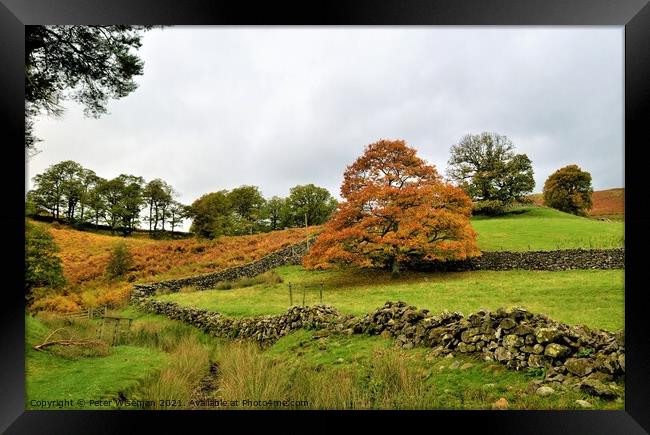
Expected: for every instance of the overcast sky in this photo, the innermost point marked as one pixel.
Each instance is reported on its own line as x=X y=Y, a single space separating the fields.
x=218 y=107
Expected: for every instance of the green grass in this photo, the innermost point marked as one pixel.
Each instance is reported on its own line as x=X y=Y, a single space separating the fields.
x=544 y=229
x=52 y=377
x=591 y=297
x=367 y=372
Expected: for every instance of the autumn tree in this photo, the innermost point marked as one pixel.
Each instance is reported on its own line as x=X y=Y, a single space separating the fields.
x=569 y=189
x=396 y=208
x=486 y=167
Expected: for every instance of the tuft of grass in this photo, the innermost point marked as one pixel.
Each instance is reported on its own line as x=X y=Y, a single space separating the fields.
x=186 y=366
x=270 y=277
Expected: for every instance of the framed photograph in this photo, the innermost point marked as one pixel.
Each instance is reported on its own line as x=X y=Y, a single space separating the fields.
x=414 y=212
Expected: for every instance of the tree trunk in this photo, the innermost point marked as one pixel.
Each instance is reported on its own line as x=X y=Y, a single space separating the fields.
x=394 y=268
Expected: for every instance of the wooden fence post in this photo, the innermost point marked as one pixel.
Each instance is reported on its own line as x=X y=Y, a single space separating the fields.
x=321 y=293
x=303 y=296
x=290 y=296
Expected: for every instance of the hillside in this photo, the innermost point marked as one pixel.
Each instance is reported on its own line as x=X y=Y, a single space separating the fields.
x=545 y=229
x=606 y=203
x=86 y=254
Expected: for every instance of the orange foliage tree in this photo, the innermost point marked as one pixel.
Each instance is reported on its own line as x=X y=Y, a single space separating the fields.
x=396 y=208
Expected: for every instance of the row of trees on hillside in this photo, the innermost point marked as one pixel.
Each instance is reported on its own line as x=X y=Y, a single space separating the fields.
x=70 y=192
x=244 y=210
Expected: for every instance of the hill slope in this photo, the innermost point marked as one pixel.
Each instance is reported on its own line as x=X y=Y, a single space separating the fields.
x=544 y=229
x=610 y=202
x=86 y=254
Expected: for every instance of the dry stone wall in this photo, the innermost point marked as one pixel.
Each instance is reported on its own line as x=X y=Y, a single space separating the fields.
x=290 y=255
x=534 y=260
x=569 y=356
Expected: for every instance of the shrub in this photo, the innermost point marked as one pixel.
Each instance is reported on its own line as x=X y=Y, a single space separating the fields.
x=489 y=208
x=42 y=267
x=120 y=261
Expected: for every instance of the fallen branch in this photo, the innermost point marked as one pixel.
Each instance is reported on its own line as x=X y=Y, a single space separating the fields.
x=86 y=342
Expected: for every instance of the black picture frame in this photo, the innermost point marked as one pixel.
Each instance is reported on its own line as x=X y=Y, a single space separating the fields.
x=633 y=14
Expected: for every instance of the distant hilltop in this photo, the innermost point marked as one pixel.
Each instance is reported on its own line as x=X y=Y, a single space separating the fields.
x=606 y=203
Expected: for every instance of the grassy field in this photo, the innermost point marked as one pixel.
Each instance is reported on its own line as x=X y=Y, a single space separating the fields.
x=52 y=376
x=591 y=297
x=544 y=229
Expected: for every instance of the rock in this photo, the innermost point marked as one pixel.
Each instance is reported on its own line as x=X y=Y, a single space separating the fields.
x=579 y=366
x=524 y=330
x=512 y=340
x=466 y=366
x=502 y=354
x=454 y=365
x=597 y=388
x=500 y=404
x=464 y=347
x=611 y=365
x=547 y=335
x=471 y=335
x=536 y=361
x=621 y=361
x=408 y=345
x=583 y=403
x=507 y=323
x=555 y=350
x=538 y=349
x=533 y=386
x=339 y=360
x=544 y=391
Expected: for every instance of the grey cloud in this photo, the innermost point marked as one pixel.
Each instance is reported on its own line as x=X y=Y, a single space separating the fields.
x=274 y=107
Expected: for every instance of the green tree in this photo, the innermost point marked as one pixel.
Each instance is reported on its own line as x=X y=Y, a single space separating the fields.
x=122 y=201
x=276 y=212
x=176 y=213
x=569 y=190
x=211 y=215
x=88 y=180
x=247 y=204
x=310 y=204
x=42 y=267
x=86 y=64
x=486 y=167
x=158 y=196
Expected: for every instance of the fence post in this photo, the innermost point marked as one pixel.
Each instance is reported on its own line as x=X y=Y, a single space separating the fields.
x=321 y=293
x=290 y=296
x=303 y=296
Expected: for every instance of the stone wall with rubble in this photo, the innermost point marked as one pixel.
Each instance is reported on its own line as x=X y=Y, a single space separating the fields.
x=570 y=356
x=290 y=255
